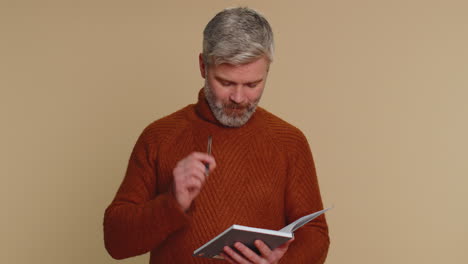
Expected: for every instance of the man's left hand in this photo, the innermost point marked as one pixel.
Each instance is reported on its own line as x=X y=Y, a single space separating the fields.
x=247 y=256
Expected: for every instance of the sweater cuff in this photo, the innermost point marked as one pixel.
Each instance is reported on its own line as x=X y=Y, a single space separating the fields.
x=173 y=218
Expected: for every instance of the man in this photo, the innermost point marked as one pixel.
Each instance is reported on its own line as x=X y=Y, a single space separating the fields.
x=175 y=196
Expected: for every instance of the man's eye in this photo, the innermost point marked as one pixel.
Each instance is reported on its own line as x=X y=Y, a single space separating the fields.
x=252 y=85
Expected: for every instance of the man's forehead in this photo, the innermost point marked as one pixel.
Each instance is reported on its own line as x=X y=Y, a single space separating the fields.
x=245 y=73
x=259 y=64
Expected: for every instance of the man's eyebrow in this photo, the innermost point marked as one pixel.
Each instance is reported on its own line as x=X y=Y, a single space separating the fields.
x=225 y=80
x=222 y=79
x=257 y=81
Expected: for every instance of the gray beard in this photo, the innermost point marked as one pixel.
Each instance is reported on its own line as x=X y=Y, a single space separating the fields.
x=218 y=109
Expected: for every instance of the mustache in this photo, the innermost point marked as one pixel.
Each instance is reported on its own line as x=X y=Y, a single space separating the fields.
x=236 y=106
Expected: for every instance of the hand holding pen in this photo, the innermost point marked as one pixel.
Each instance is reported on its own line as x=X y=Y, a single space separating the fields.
x=190 y=175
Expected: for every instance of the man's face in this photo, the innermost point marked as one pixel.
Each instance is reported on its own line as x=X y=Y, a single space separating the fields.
x=233 y=91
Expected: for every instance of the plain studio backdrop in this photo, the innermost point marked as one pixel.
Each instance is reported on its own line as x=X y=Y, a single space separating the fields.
x=378 y=87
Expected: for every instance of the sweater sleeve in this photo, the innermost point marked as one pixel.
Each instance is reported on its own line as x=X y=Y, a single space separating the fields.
x=303 y=197
x=138 y=219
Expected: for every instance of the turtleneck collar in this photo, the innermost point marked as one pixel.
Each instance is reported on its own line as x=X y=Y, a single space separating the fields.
x=203 y=110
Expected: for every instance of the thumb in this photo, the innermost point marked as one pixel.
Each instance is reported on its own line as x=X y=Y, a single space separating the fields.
x=285 y=246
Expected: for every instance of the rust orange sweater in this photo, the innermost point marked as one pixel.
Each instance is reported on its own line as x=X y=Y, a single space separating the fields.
x=265 y=177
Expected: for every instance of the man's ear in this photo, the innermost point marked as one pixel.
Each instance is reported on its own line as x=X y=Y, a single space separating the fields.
x=202 y=66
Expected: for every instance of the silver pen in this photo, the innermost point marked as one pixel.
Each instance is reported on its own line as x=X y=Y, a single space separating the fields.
x=207 y=166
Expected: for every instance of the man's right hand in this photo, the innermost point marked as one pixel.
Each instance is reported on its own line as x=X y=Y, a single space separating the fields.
x=189 y=177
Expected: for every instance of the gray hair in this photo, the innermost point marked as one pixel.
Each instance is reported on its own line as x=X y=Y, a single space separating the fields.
x=237 y=36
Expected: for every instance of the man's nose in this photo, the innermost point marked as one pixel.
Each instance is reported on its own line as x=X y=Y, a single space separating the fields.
x=237 y=95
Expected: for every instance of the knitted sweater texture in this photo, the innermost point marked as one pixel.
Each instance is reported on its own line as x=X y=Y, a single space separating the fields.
x=265 y=177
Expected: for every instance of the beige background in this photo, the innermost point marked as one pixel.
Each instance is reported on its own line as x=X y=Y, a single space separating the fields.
x=378 y=87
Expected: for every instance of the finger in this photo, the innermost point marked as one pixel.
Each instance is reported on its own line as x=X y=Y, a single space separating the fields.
x=248 y=253
x=193 y=183
x=285 y=246
x=204 y=158
x=183 y=176
x=228 y=259
x=188 y=167
x=195 y=169
x=235 y=256
x=263 y=248
x=279 y=252
x=196 y=160
x=199 y=165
